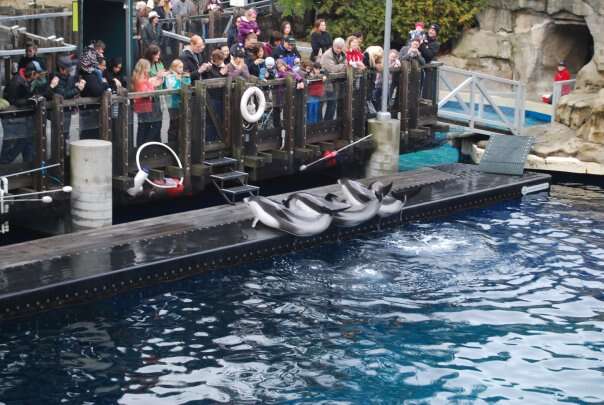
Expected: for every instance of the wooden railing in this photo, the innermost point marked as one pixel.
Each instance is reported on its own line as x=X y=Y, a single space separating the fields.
x=204 y=122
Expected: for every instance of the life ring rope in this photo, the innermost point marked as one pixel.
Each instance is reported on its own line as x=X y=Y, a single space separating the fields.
x=138 y=163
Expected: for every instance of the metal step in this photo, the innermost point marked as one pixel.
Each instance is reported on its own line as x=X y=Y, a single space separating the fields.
x=245 y=189
x=219 y=162
x=234 y=175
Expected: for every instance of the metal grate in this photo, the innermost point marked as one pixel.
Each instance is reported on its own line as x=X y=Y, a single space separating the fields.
x=506 y=154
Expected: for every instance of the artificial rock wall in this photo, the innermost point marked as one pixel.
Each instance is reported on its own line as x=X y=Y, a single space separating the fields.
x=525 y=40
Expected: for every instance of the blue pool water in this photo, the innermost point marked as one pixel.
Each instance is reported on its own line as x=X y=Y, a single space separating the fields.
x=499 y=304
x=445 y=153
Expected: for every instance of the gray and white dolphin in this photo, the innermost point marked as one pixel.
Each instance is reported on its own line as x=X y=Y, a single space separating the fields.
x=277 y=216
x=311 y=205
x=365 y=203
x=390 y=205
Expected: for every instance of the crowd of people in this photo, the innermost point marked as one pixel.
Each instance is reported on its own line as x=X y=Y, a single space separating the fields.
x=244 y=56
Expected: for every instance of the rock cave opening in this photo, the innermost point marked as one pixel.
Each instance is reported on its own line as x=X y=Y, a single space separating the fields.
x=569 y=42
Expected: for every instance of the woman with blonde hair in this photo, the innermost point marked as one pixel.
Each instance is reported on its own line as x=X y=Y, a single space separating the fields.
x=371 y=57
x=146 y=108
x=175 y=79
x=354 y=55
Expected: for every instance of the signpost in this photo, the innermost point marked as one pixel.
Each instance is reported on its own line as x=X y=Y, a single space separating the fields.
x=384 y=114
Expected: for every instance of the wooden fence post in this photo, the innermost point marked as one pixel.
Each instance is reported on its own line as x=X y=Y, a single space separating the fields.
x=361 y=113
x=403 y=96
x=198 y=146
x=184 y=137
x=289 y=119
x=228 y=122
x=121 y=141
x=105 y=117
x=348 y=105
x=57 y=130
x=414 y=94
x=301 y=118
x=236 y=121
x=40 y=143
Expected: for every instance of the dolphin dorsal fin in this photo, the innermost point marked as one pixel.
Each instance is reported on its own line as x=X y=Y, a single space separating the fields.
x=331 y=197
x=386 y=190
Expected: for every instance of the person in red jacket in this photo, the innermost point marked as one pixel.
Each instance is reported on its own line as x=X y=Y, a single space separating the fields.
x=354 y=55
x=562 y=74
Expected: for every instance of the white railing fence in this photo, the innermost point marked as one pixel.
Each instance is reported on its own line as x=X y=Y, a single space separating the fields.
x=560 y=89
x=482 y=103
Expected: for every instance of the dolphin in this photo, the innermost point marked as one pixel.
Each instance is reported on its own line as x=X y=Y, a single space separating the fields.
x=357 y=194
x=365 y=203
x=390 y=205
x=277 y=216
x=312 y=205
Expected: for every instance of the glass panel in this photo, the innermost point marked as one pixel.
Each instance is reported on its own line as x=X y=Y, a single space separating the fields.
x=16 y=138
x=215 y=131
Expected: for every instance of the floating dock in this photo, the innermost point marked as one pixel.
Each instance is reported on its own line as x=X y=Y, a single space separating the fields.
x=71 y=269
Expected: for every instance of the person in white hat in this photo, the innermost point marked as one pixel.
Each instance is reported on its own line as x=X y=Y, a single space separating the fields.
x=152 y=32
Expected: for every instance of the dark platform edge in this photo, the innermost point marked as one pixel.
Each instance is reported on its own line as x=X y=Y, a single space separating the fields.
x=104 y=285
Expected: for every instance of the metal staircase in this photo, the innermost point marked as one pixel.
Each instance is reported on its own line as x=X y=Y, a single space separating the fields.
x=229 y=182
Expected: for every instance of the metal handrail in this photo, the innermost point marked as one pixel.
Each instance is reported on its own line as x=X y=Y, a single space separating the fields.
x=473 y=96
x=187 y=40
x=557 y=92
x=35 y=16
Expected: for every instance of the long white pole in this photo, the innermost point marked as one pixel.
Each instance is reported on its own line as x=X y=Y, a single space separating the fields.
x=384 y=114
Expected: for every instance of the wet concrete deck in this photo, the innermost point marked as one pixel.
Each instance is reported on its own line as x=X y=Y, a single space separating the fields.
x=70 y=269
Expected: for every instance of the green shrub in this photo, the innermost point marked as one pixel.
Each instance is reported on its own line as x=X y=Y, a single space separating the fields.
x=348 y=16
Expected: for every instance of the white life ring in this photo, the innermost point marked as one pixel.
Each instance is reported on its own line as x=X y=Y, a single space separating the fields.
x=138 y=162
x=243 y=105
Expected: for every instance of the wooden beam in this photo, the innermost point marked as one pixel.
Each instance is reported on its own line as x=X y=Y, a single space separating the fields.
x=184 y=138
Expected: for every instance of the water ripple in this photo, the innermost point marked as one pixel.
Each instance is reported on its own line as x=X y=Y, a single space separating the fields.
x=502 y=304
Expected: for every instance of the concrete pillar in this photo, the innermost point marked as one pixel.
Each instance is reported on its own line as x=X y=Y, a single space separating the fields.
x=91 y=179
x=387 y=137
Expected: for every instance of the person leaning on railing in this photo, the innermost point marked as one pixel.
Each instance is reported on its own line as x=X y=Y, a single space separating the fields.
x=149 y=114
x=354 y=55
x=192 y=58
x=21 y=93
x=333 y=61
x=115 y=75
x=67 y=86
x=175 y=79
x=153 y=55
x=237 y=67
x=412 y=51
x=287 y=51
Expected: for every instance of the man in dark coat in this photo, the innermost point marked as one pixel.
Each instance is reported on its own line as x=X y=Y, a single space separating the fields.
x=287 y=51
x=19 y=93
x=191 y=57
x=430 y=46
x=67 y=86
x=63 y=83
